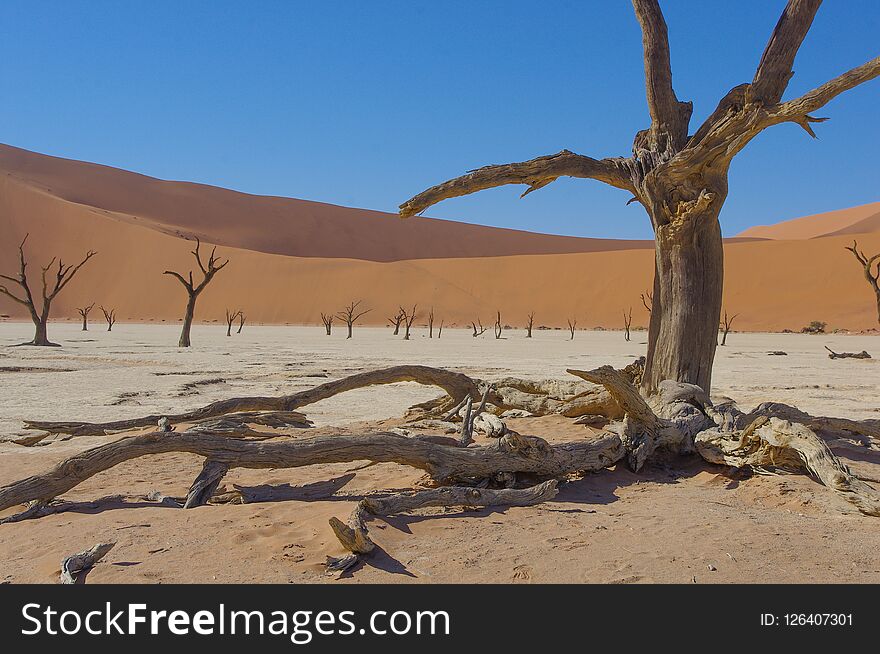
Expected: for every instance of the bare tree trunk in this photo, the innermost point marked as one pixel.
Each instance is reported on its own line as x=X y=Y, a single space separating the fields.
x=498 y=328
x=686 y=307
x=431 y=323
x=241 y=320
x=41 y=336
x=187 y=322
x=529 y=324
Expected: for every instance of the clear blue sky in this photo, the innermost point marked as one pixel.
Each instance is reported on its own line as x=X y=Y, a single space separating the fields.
x=367 y=103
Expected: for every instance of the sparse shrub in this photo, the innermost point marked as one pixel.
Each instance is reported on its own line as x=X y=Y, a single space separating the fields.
x=815 y=327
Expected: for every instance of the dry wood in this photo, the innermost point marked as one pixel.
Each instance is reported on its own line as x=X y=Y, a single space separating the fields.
x=408 y=319
x=230 y=318
x=327 y=319
x=481 y=331
x=726 y=323
x=627 y=321
x=74 y=565
x=498 y=328
x=396 y=321
x=50 y=290
x=847 y=355
x=572 y=324
x=193 y=290
x=354 y=536
x=445 y=463
x=529 y=324
x=241 y=319
x=456 y=385
x=872 y=276
x=774 y=442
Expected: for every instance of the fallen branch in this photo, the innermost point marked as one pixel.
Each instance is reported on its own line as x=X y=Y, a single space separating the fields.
x=456 y=385
x=354 y=536
x=444 y=462
x=847 y=355
x=75 y=564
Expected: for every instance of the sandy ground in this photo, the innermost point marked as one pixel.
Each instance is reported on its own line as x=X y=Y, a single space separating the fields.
x=676 y=521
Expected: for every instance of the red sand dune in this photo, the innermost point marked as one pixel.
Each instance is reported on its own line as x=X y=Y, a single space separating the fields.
x=69 y=207
x=863 y=219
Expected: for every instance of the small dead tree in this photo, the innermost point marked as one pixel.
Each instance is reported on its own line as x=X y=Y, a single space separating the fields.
x=396 y=321
x=572 y=324
x=350 y=315
x=481 y=331
x=241 y=319
x=408 y=318
x=498 y=328
x=872 y=277
x=440 y=330
x=431 y=323
x=209 y=269
x=110 y=317
x=627 y=321
x=327 y=319
x=726 y=322
x=529 y=324
x=50 y=290
x=84 y=312
x=230 y=318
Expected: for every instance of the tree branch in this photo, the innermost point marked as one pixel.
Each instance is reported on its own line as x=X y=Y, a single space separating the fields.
x=535 y=173
x=775 y=68
x=669 y=117
x=798 y=108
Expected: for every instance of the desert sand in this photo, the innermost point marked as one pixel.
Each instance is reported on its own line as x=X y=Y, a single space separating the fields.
x=465 y=272
x=679 y=520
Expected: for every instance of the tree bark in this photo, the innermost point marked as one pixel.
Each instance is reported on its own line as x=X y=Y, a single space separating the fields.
x=187 y=322
x=686 y=307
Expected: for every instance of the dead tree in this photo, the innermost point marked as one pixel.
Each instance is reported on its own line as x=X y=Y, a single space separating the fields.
x=241 y=318
x=396 y=320
x=440 y=330
x=481 y=331
x=872 y=277
x=327 y=319
x=726 y=322
x=109 y=316
x=350 y=315
x=408 y=318
x=498 y=328
x=529 y=324
x=627 y=321
x=572 y=324
x=209 y=269
x=50 y=290
x=431 y=323
x=84 y=312
x=230 y=318
x=679 y=176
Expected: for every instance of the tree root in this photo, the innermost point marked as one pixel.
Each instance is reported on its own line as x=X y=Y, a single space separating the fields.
x=773 y=442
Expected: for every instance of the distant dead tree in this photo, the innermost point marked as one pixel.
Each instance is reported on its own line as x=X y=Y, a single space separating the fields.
x=193 y=291
x=498 y=328
x=679 y=173
x=440 y=330
x=572 y=323
x=84 y=312
x=396 y=320
x=350 y=315
x=230 y=318
x=431 y=323
x=726 y=322
x=482 y=329
x=529 y=324
x=241 y=319
x=627 y=321
x=873 y=278
x=110 y=317
x=50 y=290
x=327 y=319
x=648 y=301
x=408 y=318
